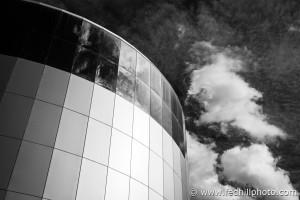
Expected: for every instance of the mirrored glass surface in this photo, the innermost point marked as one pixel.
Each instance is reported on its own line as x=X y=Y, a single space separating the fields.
x=31 y=167
x=143 y=69
x=138 y=191
x=71 y=132
x=177 y=133
x=18 y=196
x=127 y=57
x=90 y=37
x=125 y=84
x=141 y=126
x=154 y=196
x=168 y=183
x=173 y=102
x=177 y=188
x=167 y=148
x=156 y=137
x=79 y=95
x=185 y=194
x=176 y=160
x=110 y=47
x=7 y=64
x=156 y=107
x=119 y=181
x=120 y=152
x=166 y=92
x=43 y=123
x=97 y=142
x=167 y=118
x=142 y=96
x=14 y=115
x=123 y=115
x=184 y=175
x=2 y=194
x=139 y=162
x=179 y=114
x=63 y=176
x=156 y=80
x=156 y=173
x=53 y=86
x=106 y=74
x=92 y=181
x=1 y=95
x=25 y=78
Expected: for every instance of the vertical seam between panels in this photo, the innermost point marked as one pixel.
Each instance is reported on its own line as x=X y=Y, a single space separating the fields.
x=132 y=124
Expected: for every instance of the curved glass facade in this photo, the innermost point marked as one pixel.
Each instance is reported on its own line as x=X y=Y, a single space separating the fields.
x=83 y=114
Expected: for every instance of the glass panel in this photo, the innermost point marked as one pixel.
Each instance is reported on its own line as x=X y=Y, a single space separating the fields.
x=156 y=80
x=125 y=84
x=156 y=176
x=102 y=105
x=7 y=64
x=166 y=92
x=139 y=162
x=179 y=114
x=116 y=180
x=90 y=37
x=141 y=126
x=173 y=102
x=143 y=69
x=53 y=86
x=17 y=196
x=154 y=196
x=185 y=195
x=2 y=194
x=120 y=152
x=167 y=148
x=92 y=181
x=127 y=57
x=25 y=78
x=79 y=95
x=97 y=142
x=177 y=188
x=155 y=137
x=110 y=47
x=106 y=74
x=168 y=183
x=184 y=176
x=31 y=167
x=71 y=132
x=137 y=191
x=123 y=115
x=63 y=176
x=43 y=123
x=156 y=107
x=61 y=55
x=1 y=95
x=14 y=114
x=176 y=159
x=177 y=132
x=8 y=154
x=167 y=119
x=142 y=95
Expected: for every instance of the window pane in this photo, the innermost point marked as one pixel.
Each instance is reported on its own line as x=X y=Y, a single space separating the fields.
x=92 y=181
x=127 y=57
x=139 y=162
x=2 y=194
x=123 y=115
x=168 y=183
x=156 y=176
x=156 y=107
x=155 y=137
x=143 y=69
x=43 y=123
x=97 y=142
x=138 y=191
x=176 y=160
x=156 y=80
x=106 y=74
x=154 y=196
x=167 y=148
x=166 y=92
x=7 y=64
x=174 y=102
x=177 y=188
x=177 y=132
x=18 y=196
x=31 y=167
x=184 y=174
x=63 y=176
x=116 y=180
x=90 y=37
x=71 y=132
x=125 y=84
x=179 y=114
x=110 y=47
x=167 y=119
x=141 y=126
x=142 y=95
x=120 y=152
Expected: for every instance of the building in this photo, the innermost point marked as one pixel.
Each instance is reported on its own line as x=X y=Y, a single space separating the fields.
x=83 y=114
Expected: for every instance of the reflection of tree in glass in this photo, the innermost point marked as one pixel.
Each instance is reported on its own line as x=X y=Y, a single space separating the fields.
x=106 y=75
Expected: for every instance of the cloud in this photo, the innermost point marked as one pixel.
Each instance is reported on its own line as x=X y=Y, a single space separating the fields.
x=256 y=166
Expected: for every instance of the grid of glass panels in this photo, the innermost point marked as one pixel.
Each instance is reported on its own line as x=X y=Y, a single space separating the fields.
x=72 y=94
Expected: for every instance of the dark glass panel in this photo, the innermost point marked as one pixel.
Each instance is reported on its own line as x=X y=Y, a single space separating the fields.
x=156 y=80
x=179 y=114
x=90 y=36
x=166 y=92
x=106 y=74
x=7 y=64
x=173 y=102
x=18 y=196
x=125 y=84
x=2 y=194
x=110 y=46
x=142 y=95
x=1 y=95
x=61 y=55
x=127 y=57
x=156 y=107
x=167 y=119
x=143 y=69
x=177 y=133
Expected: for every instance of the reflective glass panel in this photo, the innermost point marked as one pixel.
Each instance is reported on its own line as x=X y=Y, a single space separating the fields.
x=7 y=64
x=167 y=148
x=139 y=162
x=184 y=176
x=119 y=181
x=137 y=191
x=185 y=195
x=63 y=176
x=156 y=107
x=166 y=92
x=156 y=80
x=120 y=152
x=90 y=37
x=168 y=183
x=125 y=84
x=143 y=69
x=71 y=132
x=2 y=194
x=106 y=74
x=1 y=95
x=176 y=159
x=127 y=57
x=177 y=188
x=167 y=118
x=141 y=126
x=154 y=196
x=25 y=78
x=173 y=102
x=179 y=114
x=43 y=123
x=31 y=167
x=92 y=181
x=142 y=95
x=156 y=175
x=18 y=196
x=97 y=142
x=177 y=132
x=102 y=105
x=110 y=46
x=155 y=137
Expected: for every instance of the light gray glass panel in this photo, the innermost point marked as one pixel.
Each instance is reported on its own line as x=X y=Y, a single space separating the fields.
x=43 y=123
x=143 y=69
x=53 y=86
x=25 y=78
x=156 y=80
x=167 y=148
x=185 y=194
x=176 y=159
x=18 y=196
x=177 y=188
x=154 y=196
x=139 y=162
x=92 y=181
x=138 y=191
x=63 y=176
x=127 y=57
x=156 y=177
x=119 y=182
x=14 y=114
x=168 y=183
x=125 y=84
x=7 y=64
x=71 y=132
x=156 y=137
x=166 y=92
x=102 y=105
x=97 y=142
x=156 y=107
x=79 y=95
x=30 y=172
x=141 y=126
x=142 y=96
x=184 y=174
